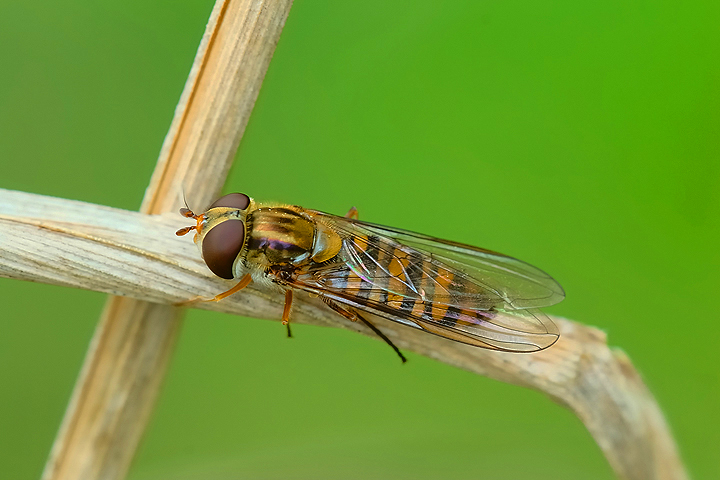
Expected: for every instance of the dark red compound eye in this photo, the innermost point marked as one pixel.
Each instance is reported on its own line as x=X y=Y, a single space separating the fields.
x=221 y=246
x=232 y=200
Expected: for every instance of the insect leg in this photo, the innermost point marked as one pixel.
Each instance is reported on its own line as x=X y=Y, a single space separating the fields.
x=286 y=311
x=354 y=316
x=244 y=282
x=352 y=213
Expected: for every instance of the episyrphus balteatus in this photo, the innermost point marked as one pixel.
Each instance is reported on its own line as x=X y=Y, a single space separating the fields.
x=457 y=291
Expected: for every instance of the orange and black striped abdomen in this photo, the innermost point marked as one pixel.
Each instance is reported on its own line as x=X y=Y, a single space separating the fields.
x=385 y=275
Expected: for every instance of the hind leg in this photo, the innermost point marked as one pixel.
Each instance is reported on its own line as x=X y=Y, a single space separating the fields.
x=354 y=316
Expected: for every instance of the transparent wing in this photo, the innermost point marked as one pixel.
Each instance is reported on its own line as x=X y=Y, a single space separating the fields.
x=518 y=284
x=457 y=291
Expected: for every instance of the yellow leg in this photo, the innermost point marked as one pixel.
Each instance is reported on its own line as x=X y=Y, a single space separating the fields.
x=286 y=310
x=352 y=213
x=244 y=282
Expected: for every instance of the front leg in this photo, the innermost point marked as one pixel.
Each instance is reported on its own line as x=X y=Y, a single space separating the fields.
x=244 y=282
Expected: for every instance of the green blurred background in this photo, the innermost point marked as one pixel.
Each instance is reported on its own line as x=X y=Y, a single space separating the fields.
x=579 y=136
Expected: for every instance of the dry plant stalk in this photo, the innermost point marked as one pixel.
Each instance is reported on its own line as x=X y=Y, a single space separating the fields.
x=128 y=355
x=136 y=255
x=98 y=248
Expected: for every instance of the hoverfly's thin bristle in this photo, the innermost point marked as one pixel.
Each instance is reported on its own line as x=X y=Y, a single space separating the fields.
x=184 y=231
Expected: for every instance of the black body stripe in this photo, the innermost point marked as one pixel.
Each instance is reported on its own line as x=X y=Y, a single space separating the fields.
x=407 y=305
x=428 y=311
x=414 y=270
x=372 y=252
x=451 y=317
x=342 y=277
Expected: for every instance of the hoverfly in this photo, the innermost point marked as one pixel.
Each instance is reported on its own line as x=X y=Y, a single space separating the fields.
x=464 y=293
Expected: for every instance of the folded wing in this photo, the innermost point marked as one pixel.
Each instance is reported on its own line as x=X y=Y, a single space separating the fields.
x=457 y=291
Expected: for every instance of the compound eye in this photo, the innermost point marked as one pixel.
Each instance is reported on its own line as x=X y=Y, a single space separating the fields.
x=232 y=200
x=221 y=246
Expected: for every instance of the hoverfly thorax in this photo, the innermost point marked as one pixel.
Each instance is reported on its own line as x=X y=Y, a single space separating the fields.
x=221 y=232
